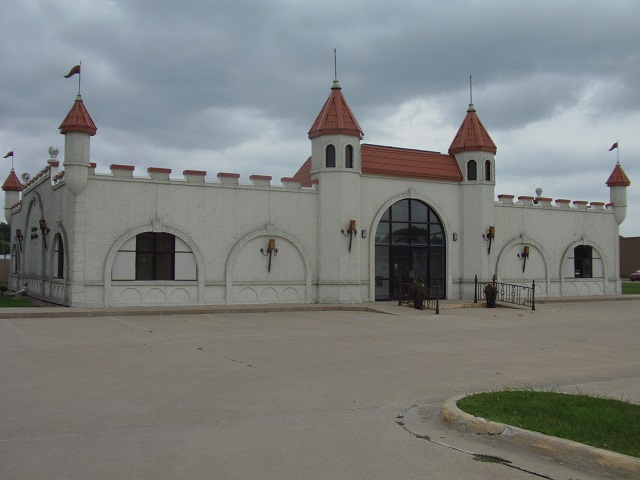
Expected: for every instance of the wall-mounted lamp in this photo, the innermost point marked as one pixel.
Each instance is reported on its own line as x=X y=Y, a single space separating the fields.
x=351 y=232
x=45 y=231
x=271 y=250
x=19 y=237
x=489 y=237
x=524 y=255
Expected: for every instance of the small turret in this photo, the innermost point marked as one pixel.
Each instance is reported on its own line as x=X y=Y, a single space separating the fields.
x=618 y=183
x=12 y=188
x=77 y=128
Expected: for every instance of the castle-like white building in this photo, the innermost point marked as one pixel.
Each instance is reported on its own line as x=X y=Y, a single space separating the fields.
x=354 y=222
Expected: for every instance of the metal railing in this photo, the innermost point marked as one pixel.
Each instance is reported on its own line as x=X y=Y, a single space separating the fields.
x=508 y=293
x=420 y=296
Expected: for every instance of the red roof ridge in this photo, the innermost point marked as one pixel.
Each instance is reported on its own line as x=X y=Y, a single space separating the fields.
x=472 y=136
x=336 y=117
x=403 y=148
x=78 y=119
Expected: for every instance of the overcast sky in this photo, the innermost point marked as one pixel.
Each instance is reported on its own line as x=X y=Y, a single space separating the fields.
x=234 y=86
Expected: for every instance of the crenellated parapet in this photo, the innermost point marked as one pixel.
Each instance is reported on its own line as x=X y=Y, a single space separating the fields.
x=548 y=203
x=122 y=172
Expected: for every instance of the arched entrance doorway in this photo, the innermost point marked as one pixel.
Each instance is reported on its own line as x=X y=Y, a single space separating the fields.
x=410 y=246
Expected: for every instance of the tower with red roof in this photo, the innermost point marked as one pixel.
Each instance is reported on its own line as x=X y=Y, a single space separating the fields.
x=474 y=152
x=78 y=128
x=336 y=163
x=618 y=183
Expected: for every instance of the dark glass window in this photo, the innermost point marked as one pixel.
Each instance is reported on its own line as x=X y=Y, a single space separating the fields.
x=348 y=156
x=582 y=261
x=487 y=171
x=410 y=247
x=472 y=170
x=331 y=156
x=59 y=257
x=155 y=256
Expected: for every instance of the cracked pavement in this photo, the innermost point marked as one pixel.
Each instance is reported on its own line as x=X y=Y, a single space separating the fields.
x=293 y=395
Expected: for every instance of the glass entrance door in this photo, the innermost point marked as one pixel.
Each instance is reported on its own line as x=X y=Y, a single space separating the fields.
x=410 y=247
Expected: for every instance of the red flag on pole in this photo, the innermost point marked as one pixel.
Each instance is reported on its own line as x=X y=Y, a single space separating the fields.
x=9 y=154
x=614 y=146
x=73 y=71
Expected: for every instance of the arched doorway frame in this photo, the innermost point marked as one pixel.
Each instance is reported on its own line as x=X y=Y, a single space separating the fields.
x=410 y=194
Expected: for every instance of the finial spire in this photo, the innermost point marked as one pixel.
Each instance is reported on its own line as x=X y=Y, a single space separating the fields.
x=335 y=65
x=470 y=91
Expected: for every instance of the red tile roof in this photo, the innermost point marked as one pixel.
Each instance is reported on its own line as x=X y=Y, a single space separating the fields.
x=472 y=136
x=12 y=182
x=398 y=162
x=303 y=175
x=404 y=162
x=618 y=178
x=336 y=117
x=78 y=120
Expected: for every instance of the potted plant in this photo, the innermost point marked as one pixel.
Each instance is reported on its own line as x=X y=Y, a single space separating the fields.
x=419 y=295
x=490 y=293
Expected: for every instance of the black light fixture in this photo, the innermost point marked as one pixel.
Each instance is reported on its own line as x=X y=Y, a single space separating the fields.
x=489 y=237
x=524 y=255
x=351 y=232
x=271 y=250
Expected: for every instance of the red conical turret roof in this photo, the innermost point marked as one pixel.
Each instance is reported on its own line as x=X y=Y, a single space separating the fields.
x=472 y=136
x=78 y=120
x=336 y=117
x=618 y=178
x=12 y=182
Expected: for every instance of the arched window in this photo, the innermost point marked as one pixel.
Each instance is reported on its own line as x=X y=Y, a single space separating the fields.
x=472 y=170
x=583 y=261
x=348 y=156
x=58 y=257
x=410 y=247
x=487 y=171
x=154 y=256
x=331 y=156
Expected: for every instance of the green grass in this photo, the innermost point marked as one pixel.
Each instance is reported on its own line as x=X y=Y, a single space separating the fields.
x=632 y=288
x=600 y=422
x=9 y=302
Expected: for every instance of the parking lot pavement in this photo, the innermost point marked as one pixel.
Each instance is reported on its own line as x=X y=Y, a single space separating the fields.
x=284 y=395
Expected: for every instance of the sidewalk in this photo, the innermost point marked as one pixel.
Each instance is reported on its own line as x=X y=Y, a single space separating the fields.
x=388 y=307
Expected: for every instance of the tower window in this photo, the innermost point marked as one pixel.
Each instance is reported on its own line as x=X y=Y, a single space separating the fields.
x=331 y=156
x=472 y=170
x=487 y=171
x=348 y=156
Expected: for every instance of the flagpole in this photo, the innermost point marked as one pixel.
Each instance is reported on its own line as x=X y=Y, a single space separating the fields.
x=79 y=77
x=13 y=150
x=618 y=150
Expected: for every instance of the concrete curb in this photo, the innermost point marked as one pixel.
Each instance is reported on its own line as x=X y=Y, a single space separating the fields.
x=561 y=450
x=75 y=312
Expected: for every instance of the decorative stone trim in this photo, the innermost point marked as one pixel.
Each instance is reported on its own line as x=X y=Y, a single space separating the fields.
x=261 y=180
x=228 y=178
x=581 y=204
x=506 y=199
x=525 y=200
x=315 y=184
x=544 y=201
x=563 y=202
x=157 y=173
x=92 y=168
x=610 y=205
x=597 y=205
x=290 y=184
x=122 y=171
